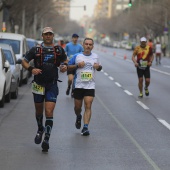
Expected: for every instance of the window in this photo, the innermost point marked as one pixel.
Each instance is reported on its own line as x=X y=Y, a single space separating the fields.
x=8 y=56
x=14 y=43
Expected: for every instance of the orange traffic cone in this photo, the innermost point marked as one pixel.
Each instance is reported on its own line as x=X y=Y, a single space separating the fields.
x=125 y=57
x=114 y=53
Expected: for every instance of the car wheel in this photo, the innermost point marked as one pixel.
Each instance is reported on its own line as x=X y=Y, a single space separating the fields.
x=8 y=97
x=2 y=101
x=25 y=81
x=14 y=94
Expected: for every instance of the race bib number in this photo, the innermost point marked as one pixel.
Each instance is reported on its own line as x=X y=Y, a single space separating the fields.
x=38 y=89
x=143 y=64
x=86 y=76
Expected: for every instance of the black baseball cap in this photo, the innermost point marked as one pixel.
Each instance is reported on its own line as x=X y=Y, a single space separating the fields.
x=75 y=35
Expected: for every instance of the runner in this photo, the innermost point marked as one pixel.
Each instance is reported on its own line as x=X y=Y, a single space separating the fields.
x=144 y=61
x=71 y=49
x=47 y=59
x=85 y=64
x=158 y=51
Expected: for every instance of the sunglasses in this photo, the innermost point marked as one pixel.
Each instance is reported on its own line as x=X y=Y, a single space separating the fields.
x=88 y=44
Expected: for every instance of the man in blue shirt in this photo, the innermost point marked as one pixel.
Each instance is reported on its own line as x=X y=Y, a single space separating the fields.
x=72 y=48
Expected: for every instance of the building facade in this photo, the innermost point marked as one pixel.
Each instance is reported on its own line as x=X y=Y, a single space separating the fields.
x=110 y=8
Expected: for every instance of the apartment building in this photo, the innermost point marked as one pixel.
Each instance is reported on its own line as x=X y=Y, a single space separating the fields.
x=110 y=8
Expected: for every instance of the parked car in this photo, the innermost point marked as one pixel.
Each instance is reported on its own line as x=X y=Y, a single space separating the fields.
x=116 y=44
x=15 y=68
x=31 y=43
x=19 y=45
x=123 y=44
x=5 y=82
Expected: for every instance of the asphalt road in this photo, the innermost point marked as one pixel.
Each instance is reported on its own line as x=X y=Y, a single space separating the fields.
x=127 y=133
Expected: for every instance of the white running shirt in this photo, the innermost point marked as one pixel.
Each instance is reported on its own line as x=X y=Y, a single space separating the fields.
x=85 y=77
x=158 y=48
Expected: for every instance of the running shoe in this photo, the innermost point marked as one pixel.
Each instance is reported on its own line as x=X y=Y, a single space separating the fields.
x=140 y=95
x=146 y=91
x=78 y=122
x=45 y=145
x=38 y=137
x=68 y=91
x=85 y=132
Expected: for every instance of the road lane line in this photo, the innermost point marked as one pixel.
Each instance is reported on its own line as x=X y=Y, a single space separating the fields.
x=129 y=93
x=105 y=74
x=163 y=72
x=154 y=69
x=111 y=78
x=118 y=84
x=166 y=124
x=166 y=66
x=141 y=150
x=143 y=105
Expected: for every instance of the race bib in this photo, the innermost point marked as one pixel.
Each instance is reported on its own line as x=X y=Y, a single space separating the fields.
x=143 y=64
x=86 y=76
x=38 y=89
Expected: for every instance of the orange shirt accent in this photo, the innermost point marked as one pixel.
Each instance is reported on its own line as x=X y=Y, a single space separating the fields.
x=143 y=53
x=150 y=44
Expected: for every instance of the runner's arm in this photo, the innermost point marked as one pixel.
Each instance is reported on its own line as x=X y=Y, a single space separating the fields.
x=134 y=59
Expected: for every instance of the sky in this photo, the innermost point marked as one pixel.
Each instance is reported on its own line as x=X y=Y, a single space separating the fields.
x=76 y=13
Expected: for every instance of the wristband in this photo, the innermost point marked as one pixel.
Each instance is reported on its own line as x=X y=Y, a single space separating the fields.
x=30 y=68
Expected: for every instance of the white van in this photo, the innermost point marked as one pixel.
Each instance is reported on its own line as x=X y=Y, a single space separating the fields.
x=19 y=45
x=5 y=82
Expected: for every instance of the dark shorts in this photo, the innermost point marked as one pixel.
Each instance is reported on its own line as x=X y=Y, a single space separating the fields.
x=158 y=54
x=71 y=72
x=81 y=93
x=145 y=73
x=51 y=93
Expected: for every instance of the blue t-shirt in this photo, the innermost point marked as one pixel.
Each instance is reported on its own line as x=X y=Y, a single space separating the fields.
x=72 y=49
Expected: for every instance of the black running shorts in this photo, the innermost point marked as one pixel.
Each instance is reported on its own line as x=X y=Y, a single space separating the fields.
x=145 y=73
x=81 y=93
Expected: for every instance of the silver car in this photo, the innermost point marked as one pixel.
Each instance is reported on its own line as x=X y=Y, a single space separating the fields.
x=15 y=68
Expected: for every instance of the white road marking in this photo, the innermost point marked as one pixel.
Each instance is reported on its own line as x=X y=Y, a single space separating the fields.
x=118 y=84
x=163 y=72
x=166 y=66
x=129 y=93
x=167 y=125
x=105 y=74
x=143 y=105
x=154 y=69
x=111 y=78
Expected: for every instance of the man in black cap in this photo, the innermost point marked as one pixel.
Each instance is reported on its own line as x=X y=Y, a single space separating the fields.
x=71 y=49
